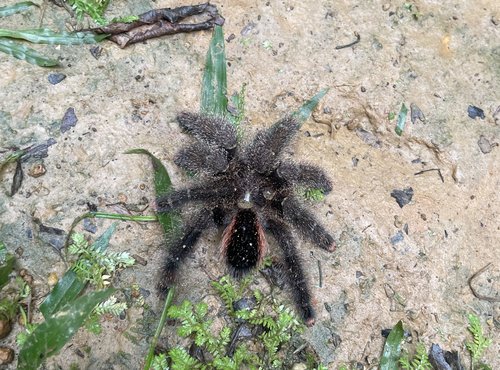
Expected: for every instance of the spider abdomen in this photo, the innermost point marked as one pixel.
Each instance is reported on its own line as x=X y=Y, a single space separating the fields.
x=243 y=242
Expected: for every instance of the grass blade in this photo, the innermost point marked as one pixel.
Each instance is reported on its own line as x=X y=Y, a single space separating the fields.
x=16 y=8
x=159 y=328
x=46 y=36
x=25 y=53
x=401 y=119
x=51 y=335
x=66 y=290
x=307 y=108
x=170 y=222
x=214 y=84
x=392 y=348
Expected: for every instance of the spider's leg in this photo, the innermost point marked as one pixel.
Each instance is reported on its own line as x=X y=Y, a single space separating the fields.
x=293 y=268
x=181 y=248
x=202 y=157
x=176 y=199
x=306 y=175
x=307 y=224
x=267 y=146
x=211 y=129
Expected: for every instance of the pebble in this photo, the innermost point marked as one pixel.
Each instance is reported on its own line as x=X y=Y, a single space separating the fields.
x=6 y=355
x=69 y=120
x=55 y=78
x=37 y=170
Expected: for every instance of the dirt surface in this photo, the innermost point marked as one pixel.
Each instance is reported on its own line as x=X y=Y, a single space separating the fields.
x=410 y=263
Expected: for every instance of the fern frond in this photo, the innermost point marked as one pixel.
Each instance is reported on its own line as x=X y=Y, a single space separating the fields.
x=480 y=343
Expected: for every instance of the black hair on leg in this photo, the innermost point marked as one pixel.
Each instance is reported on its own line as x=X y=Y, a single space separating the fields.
x=180 y=249
x=267 y=146
x=307 y=224
x=306 y=175
x=178 y=198
x=202 y=157
x=211 y=129
x=243 y=242
x=293 y=269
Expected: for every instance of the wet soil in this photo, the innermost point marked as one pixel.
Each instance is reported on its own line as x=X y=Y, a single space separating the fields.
x=392 y=263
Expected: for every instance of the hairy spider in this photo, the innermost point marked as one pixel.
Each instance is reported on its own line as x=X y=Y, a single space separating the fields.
x=249 y=190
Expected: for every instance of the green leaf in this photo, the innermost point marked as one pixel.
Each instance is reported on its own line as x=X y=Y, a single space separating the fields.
x=307 y=108
x=71 y=285
x=16 y=8
x=392 y=348
x=66 y=290
x=51 y=335
x=214 y=84
x=22 y=52
x=6 y=264
x=401 y=119
x=46 y=36
x=102 y=243
x=170 y=222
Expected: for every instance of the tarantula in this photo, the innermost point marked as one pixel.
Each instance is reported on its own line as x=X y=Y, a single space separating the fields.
x=249 y=190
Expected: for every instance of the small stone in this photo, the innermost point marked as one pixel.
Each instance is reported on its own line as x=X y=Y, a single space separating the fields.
x=96 y=51
x=122 y=198
x=52 y=279
x=5 y=328
x=403 y=197
x=386 y=7
x=55 y=78
x=299 y=366
x=485 y=145
x=398 y=237
x=475 y=112
x=89 y=225
x=6 y=355
x=69 y=120
x=37 y=170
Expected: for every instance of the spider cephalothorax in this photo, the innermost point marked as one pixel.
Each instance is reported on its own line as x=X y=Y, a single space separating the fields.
x=249 y=190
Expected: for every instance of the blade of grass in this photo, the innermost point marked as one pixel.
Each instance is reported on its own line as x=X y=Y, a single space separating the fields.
x=70 y=285
x=392 y=348
x=22 y=52
x=51 y=335
x=6 y=264
x=170 y=222
x=46 y=36
x=16 y=8
x=214 y=83
x=109 y=216
x=159 y=328
x=307 y=108
x=66 y=290
x=401 y=119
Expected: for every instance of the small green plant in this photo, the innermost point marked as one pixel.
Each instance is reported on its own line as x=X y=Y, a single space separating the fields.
x=479 y=344
x=419 y=362
x=94 y=264
x=94 y=8
x=316 y=195
x=277 y=322
x=110 y=307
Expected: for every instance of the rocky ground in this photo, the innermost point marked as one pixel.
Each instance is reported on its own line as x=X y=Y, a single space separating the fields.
x=409 y=263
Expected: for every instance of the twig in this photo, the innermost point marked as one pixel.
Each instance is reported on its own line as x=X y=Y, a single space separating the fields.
x=320 y=274
x=476 y=294
x=358 y=38
x=431 y=169
x=160 y=22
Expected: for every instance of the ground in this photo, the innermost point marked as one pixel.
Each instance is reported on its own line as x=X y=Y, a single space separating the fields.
x=411 y=263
